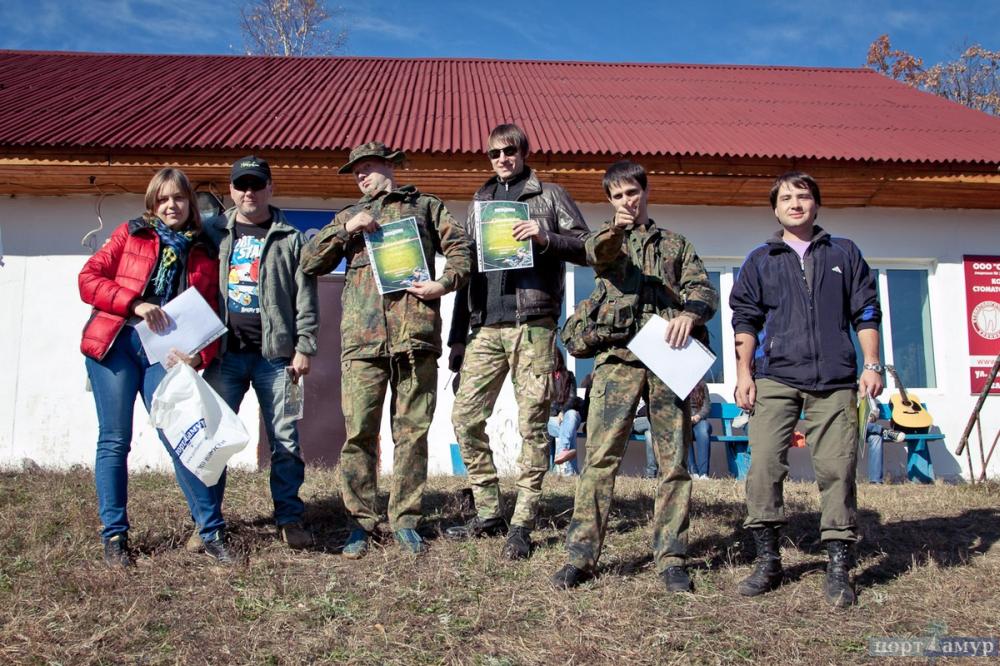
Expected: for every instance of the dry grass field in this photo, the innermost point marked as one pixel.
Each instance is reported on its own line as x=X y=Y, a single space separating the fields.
x=929 y=558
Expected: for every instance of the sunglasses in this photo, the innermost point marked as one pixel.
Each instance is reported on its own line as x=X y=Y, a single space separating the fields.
x=509 y=151
x=253 y=184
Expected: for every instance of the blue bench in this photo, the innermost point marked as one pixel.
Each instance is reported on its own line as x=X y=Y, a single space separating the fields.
x=918 y=459
x=737 y=446
x=918 y=455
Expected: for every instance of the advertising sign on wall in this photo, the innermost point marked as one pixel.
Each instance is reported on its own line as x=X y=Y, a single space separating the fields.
x=982 y=299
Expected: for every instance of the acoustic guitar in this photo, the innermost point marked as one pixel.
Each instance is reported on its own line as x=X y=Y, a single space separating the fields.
x=907 y=411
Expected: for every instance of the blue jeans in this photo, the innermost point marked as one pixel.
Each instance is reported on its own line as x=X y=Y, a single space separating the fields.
x=565 y=436
x=698 y=456
x=124 y=373
x=231 y=376
x=873 y=434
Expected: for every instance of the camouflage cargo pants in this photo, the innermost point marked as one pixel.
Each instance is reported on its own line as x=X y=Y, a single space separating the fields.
x=413 y=381
x=526 y=352
x=613 y=401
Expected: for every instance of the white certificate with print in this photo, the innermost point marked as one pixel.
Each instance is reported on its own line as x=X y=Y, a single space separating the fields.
x=193 y=326
x=680 y=369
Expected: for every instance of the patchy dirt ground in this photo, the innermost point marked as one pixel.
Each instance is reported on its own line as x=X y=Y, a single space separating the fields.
x=928 y=562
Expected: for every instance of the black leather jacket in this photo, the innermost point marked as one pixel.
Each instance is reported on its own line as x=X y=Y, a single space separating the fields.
x=539 y=290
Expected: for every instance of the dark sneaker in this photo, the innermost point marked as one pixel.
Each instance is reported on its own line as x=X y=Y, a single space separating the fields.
x=477 y=527
x=216 y=549
x=518 y=546
x=116 y=551
x=410 y=541
x=295 y=535
x=194 y=544
x=568 y=577
x=676 y=579
x=893 y=435
x=357 y=544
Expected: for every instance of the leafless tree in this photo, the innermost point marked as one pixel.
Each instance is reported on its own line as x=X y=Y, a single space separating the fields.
x=972 y=79
x=293 y=27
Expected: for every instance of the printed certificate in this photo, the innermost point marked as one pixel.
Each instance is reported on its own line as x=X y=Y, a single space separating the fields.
x=496 y=246
x=397 y=255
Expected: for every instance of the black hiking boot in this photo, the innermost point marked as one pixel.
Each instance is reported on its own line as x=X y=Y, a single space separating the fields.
x=477 y=527
x=839 y=591
x=676 y=579
x=568 y=577
x=518 y=546
x=767 y=572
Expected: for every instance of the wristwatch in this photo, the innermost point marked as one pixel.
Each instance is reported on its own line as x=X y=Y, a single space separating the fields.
x=875 y=367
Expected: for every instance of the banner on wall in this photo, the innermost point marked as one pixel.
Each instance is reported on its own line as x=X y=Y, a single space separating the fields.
x=309 y=222
x=982 y=302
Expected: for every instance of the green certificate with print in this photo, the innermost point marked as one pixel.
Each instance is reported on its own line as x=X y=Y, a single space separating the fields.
x=397 y=255
x=497 y=248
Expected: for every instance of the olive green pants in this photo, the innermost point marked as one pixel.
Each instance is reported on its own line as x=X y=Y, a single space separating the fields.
x=831 y=430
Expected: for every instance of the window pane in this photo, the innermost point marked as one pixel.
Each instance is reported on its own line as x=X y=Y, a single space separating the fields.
x=715 y=373
x=583 y=284
x=910 y=311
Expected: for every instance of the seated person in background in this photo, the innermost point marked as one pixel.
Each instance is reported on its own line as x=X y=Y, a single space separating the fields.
x=698 y=456
x=875 y=434
x=564 y=415
x=640 y=426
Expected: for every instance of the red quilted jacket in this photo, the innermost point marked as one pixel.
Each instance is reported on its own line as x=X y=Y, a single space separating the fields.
x=118 y=273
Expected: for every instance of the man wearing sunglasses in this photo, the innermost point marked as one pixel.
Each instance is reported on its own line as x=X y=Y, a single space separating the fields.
x=270 y=310
x=513 y=316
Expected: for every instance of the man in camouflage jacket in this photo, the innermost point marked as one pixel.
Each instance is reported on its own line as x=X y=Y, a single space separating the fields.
x=633 y=256
x=387 y=340
x=513 y=315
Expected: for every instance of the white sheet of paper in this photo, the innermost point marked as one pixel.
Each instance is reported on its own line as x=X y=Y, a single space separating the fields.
x=193 y=326
x=680 y=369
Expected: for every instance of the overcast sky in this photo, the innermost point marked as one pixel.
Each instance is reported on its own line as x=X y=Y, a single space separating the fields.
x=764 y=32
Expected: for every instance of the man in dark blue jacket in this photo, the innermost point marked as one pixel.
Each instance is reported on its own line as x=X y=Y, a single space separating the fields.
x=793 y=303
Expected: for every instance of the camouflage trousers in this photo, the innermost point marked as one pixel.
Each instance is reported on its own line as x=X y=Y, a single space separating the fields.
x=413 y=381
x=526 y=352
x=613 y=400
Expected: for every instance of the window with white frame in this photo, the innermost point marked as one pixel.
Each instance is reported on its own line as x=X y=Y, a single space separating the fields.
x=905 y=335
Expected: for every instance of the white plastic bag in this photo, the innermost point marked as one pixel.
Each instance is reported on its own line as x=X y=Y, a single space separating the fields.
x=200 y=426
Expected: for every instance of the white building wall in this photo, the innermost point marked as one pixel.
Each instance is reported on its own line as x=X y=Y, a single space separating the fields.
x=47 y=416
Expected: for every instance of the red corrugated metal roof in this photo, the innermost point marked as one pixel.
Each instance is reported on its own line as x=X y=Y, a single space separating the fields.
x=185 y=102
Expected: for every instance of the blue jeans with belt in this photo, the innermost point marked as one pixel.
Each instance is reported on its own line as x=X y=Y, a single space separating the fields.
x=125 y=373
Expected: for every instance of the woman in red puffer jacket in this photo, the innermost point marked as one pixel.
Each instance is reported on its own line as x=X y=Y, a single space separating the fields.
x=144 y=264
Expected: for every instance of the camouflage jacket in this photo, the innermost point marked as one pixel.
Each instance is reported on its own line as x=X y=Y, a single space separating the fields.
x=374 y=325
x=661 y=266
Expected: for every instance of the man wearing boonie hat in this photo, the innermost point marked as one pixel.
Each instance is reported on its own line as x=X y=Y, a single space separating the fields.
x=391 y=340
x=270 y=310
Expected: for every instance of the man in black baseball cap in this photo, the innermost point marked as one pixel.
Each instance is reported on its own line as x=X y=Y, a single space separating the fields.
x=251 y=167
x=270 y=310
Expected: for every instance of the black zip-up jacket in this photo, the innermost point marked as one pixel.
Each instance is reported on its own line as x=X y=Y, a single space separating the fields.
x=800 y=311
x=538 y=291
